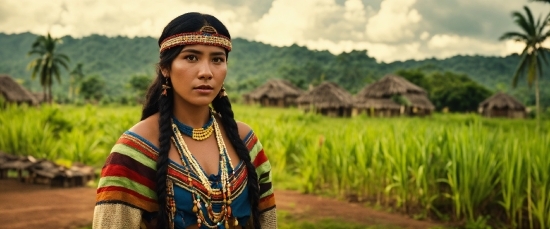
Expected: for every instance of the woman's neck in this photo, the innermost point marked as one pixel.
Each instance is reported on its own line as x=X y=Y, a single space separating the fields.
x=193 y=116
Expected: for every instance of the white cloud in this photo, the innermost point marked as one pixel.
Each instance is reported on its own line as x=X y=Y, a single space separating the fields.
x=354 y=10
x=444 y=45
x=395 y=21
x=282 y=25
x=382 y=52
x=82 y=18
x=391 y=33
x=425 y=35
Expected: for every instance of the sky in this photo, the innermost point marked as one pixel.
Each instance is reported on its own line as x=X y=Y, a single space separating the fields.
x=390 y=30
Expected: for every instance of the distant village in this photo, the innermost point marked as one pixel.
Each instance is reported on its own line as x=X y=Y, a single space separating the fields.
x=390 y=96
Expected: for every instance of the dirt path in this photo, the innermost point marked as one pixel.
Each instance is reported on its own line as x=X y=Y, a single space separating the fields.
x=36 y=206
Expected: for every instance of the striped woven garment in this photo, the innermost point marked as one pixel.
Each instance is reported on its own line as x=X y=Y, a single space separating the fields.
x=126 y=190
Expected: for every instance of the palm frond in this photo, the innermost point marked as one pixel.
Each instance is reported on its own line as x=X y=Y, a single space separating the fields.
x=543 y=25
x=520 y=69
x=523 y=23
x=514 y=36
x=55 y=72
x=530 y=17
x=545 y=1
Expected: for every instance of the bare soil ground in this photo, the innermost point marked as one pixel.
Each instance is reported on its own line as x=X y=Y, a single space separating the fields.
x=38 y=206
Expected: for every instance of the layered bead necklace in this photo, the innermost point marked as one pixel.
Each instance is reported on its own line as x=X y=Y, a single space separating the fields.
x=217 y=218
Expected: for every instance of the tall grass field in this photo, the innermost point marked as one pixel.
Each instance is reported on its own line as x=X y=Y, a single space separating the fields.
x=463 y=169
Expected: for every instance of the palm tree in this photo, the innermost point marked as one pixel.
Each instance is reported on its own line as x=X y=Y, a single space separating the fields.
x=48 y=62
x=533 y=56
x=76 y=76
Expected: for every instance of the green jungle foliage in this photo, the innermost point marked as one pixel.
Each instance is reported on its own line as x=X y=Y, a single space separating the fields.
x=118 y=59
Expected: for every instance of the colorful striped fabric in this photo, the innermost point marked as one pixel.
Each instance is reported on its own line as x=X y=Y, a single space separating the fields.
x=263 y=169
x=126 y=189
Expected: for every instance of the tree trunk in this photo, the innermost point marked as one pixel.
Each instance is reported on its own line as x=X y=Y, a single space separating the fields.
x=50 y=94
x=537 y=101
x=44 y=95
x=71 y=89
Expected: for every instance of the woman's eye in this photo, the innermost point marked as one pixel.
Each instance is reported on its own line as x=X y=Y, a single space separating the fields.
x=218 y=60
x=191 y=58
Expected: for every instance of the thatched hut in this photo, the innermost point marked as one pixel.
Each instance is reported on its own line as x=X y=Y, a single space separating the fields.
x=502 y=105
x=328 y=99
x=393 y=95
x=40 y=97
x=275 y=92
x=12 y=92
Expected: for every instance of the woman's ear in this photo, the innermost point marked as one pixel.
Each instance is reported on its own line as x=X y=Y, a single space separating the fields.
x=165 y=72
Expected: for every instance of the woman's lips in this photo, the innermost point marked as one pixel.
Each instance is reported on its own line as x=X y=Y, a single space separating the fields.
x=204 y=89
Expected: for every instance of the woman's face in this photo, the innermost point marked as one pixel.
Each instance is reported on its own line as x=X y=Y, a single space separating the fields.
x=198 y=73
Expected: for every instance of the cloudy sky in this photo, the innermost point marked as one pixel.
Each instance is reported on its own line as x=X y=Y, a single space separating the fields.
x=389 y=29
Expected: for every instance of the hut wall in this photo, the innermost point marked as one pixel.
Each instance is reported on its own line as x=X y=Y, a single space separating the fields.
x=498 y=113
x=270 y=102
x=290 y=101
x=336 y=112
x=280 y=102
x=383 y=112
x=516 y=114
x=415 y=111
x=504 y=113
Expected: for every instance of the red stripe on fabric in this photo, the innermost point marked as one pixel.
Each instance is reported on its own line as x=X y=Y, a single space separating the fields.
x=185 y=179
x=266 y=198
x=252 y=142
x=239 y=180
x=116 y=158
x=147 y=151
x=266 y=202
x=197 y=184
x=260 y=159
x=123 y=171
x=125 y=190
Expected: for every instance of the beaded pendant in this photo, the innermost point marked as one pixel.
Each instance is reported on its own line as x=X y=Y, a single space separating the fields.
x=198 y=134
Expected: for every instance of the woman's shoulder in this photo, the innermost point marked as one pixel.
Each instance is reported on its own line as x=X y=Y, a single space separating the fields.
x=245 y=131
x=147 y=130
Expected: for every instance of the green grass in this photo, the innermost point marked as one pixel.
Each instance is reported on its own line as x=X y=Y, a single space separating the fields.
x=451 y=167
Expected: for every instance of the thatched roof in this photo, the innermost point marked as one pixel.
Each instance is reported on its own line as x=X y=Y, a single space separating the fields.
x=389 y=85
x=502 y=101
x=420 y=101
x=378 y=95
x=275 y=89
x=327 y=95
x=13 y=92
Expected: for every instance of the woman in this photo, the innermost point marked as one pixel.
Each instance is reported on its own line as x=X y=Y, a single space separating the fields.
x=186 y=164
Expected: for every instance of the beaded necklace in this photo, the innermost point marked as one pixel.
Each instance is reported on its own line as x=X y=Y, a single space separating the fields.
x=198 y=134
x=225 y=215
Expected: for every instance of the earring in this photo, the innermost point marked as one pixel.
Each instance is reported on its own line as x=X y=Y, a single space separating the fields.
x=222 y=93
x=165 y=86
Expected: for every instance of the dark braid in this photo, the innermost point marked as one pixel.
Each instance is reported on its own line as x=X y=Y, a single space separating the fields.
x=155 y=102
x=223 y=106
x=166 y=104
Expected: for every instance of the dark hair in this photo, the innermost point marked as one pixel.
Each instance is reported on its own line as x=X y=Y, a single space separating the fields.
x=155 y=102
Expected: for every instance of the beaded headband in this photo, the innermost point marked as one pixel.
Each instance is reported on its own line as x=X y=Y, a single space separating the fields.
x=207 y=35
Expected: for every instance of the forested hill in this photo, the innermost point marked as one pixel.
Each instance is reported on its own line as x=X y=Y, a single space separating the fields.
x=250 y=63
